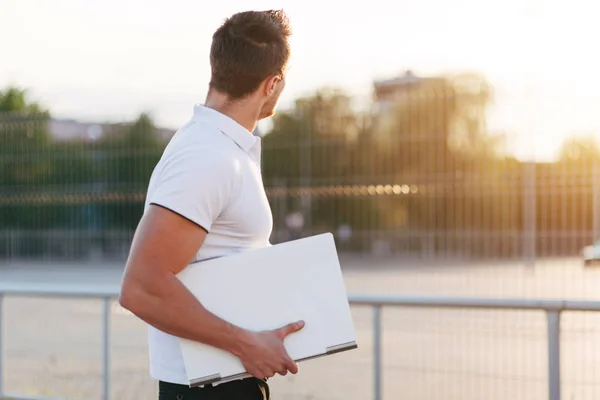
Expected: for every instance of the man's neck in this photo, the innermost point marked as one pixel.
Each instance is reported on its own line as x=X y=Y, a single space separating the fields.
x=240 y=111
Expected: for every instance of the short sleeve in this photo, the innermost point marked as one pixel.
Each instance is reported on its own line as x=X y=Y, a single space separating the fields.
x=197 y=185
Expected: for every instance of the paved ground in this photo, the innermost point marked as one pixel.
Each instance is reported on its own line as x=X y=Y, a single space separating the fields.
x=53 y=345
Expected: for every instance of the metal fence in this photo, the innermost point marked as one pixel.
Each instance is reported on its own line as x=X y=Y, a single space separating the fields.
x=552 y=309
x=416 y=174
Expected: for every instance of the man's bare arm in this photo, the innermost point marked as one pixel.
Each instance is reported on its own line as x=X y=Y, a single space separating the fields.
x=164 y=243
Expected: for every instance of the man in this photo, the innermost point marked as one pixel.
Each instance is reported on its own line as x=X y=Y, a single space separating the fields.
x=206 y=199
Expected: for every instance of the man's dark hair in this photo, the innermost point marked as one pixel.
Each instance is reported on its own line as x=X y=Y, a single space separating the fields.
x=249 y=47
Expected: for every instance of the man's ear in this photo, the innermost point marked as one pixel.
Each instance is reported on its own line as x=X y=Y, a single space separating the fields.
x=271 y=84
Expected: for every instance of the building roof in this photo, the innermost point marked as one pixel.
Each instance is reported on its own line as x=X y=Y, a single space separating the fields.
x=70 y=129
x=408 y=78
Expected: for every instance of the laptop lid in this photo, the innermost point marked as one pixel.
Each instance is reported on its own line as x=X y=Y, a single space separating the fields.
x=266 y=289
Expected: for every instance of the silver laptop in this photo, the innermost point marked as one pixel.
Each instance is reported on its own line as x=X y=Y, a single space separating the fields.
x=266 y=289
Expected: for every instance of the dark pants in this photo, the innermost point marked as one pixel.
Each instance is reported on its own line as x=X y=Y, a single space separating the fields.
x=245 y=389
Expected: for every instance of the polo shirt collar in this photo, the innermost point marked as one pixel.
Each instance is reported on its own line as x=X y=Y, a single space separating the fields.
x=236 y=132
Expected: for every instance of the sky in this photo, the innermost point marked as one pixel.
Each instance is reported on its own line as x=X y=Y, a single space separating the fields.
x=112 y=59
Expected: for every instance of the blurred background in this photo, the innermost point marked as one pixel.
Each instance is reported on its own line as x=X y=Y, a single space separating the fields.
x=452 y=147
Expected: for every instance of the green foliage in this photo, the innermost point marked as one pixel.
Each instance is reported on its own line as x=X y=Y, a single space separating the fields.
x=45 y=184
x=24 y=139
x=427 y=131
x=336 y=164
x=15 y=100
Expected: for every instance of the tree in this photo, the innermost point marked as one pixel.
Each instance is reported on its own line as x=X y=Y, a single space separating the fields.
x=24 y=149
x=23 y=124
x=429 y=136
x=566 y=188
x=432 y=125
x=583 y=149
x=123 y=162
x=312 y=149
x=315 y=140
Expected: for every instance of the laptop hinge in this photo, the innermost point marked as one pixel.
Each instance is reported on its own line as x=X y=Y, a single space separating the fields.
x=205 y=380
x=342 y=347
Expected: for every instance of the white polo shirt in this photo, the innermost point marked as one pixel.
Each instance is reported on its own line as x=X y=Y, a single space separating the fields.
x=210 y=174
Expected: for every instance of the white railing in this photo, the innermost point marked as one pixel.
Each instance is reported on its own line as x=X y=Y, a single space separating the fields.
x=552 y=308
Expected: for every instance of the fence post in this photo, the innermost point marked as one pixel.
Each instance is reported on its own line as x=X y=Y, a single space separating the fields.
x=596 y=202
x=529 y=212
x=306 y=179
x=1 y=349
x=553 y=317
x=11 y=244
x=377 y=352
x=105 y=348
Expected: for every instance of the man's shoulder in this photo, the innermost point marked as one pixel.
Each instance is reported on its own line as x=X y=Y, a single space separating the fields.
x=199 y=150
x=201 y=138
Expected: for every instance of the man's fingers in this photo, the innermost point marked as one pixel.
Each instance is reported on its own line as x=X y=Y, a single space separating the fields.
x=290 y=328
x=266 y=373
x=257 y=373
x=291 y=366
x=282 y=371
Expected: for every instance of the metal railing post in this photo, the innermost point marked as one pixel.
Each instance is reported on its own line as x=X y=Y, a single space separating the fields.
x=377 y=352
x=105 y=348
x=553 y=317
x=1 y=349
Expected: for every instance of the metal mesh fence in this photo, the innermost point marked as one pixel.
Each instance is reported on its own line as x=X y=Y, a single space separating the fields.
x=416 y=175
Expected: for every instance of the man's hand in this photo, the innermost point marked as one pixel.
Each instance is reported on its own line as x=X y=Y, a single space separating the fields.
x=263 y=355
